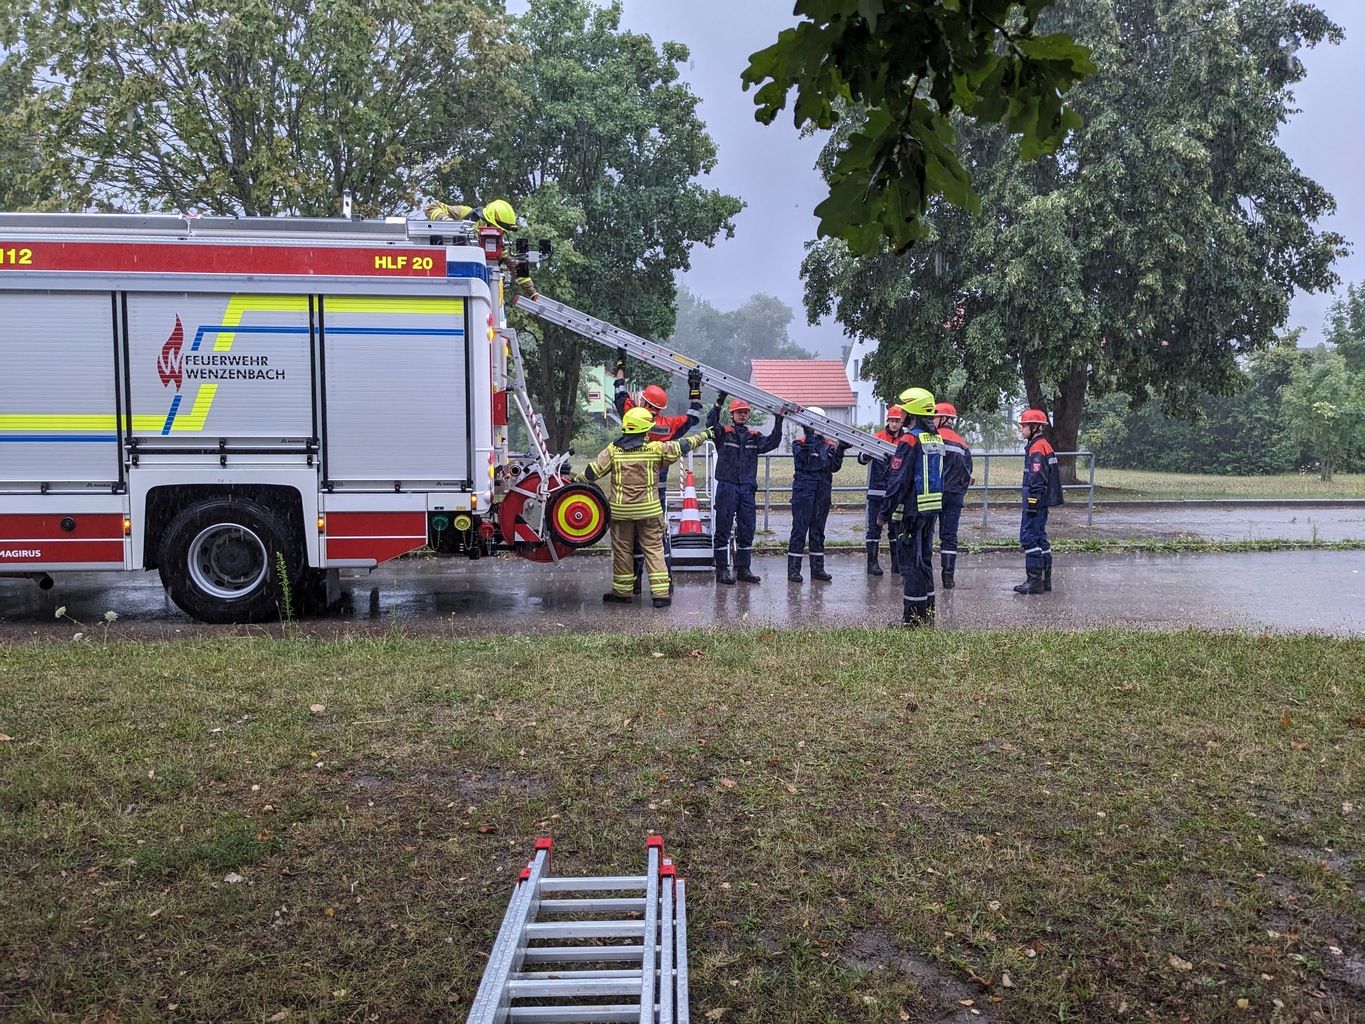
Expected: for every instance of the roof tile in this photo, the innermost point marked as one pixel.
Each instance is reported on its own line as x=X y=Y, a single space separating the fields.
x=819 y=382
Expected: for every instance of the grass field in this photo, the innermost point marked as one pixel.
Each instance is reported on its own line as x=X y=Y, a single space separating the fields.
x=1145 y=484
x=1113 y=484
x=875 y=827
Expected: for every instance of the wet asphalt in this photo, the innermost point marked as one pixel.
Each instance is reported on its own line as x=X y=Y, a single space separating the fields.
x=1287 y=591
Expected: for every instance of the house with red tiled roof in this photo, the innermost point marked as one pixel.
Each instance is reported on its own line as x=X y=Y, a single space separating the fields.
x=819 y=382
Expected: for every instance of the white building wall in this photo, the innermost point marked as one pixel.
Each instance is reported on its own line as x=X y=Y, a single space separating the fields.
x=870 y=409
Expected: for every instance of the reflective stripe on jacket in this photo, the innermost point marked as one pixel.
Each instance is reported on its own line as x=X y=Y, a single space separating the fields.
x=916 y=474
x=634 y=464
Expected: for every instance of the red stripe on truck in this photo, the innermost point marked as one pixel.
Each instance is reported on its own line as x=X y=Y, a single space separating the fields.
x=29 y=526
x=61 y=552
x=376 y=536
x=197 y=258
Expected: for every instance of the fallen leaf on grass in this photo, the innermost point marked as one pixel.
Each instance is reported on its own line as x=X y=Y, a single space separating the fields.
x=317 y=709
x=656 y=654
x=1179 y=964
x=487 y=828
x=330 y=911
x=1298 y=744
x=1005 y=980
x=282 y=1015
x=5 y=737
x=1242 y=1004
x=1286 y=720
x=715 y=1014
x=696 y=652
x=232 y=878
x=728 y=783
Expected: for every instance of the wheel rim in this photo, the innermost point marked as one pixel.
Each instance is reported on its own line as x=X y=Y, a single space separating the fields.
x=227 y=560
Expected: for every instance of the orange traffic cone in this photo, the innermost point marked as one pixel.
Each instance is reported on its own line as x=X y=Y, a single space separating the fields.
x=691 y=511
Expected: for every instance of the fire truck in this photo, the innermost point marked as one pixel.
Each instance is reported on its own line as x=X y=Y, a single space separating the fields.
x=250 y=405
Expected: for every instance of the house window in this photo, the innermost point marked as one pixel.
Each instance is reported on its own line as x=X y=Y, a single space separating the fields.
x=855 y=369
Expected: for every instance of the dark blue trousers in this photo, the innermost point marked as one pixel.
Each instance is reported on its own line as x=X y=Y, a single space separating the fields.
x=1033 y=539
x=735 y=513
x=810 y=509
x=948 y=520
x=917 y=557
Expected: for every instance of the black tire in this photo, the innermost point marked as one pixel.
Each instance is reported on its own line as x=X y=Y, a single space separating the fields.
x=219 y=561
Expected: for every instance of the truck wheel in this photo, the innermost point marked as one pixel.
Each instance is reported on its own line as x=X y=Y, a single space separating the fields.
x=218 y=560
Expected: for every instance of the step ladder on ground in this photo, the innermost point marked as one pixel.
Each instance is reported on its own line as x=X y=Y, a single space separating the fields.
x=589 y=949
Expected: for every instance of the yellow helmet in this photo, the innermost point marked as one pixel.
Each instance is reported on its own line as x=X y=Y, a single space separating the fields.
x=637 y=420
x=500 y=214
x=917 y=402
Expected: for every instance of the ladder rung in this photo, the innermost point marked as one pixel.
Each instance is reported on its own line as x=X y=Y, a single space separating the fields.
x=567 y=988
x=624 y=903
x=584 y=954
x=586 y=930
x=610 y=883
x=559 y=975
x=574 y=1014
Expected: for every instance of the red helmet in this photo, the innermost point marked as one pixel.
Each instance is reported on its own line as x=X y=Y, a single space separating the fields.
x=945 y=409
x=738 y=405
x=655 y=396
x=1034 y=416
x=895 y=411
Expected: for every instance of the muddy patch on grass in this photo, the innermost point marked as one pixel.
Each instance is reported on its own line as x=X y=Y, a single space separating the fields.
x=871 y=949
x=1347 y=969
x=1336 y=861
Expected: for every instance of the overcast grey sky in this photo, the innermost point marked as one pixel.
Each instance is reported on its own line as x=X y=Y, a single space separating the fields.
x=772 y=168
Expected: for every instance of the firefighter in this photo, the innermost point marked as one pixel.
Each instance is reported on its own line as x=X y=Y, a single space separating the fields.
x=497 y=214
x=914 y=496
x=876 y=492
x=654 y=399
x=816 y=459
x=1042 y=489
x=637 y=515
x=957 y=477
x=737 y=450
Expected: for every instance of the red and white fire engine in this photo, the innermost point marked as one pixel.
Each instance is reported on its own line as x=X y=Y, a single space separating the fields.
x=222 y=399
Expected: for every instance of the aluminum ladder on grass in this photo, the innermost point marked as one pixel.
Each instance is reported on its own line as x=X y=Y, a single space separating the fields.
x=634 y=948
x=662 y=358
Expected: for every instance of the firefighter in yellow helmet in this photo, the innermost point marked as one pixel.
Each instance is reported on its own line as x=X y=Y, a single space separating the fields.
x=497 y=214
x=633 y=461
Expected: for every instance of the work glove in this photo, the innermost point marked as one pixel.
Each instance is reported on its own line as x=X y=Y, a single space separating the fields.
x=694 y=385
x=721 y=396
x=845 y=446
x=620 y=360
x=528 y=287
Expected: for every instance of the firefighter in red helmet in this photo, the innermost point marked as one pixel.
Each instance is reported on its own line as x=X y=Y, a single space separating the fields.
x=666 y=428
x=877 y=473
x=738 y=447
x=1042 y=489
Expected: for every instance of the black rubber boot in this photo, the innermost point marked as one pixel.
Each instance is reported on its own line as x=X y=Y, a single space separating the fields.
x=1032 y=585
x=723 y=574
x=744 y=568
x=913 y=615
x=1047 y=574
x=817 y=569
x=874 y=567
x=662 y=602
x=948 y=582
x=894 y=548
x=612 y=597
x=793 y=568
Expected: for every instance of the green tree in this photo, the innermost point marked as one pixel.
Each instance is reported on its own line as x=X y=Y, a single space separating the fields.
x=908 y=65
x=730 y=341
x=605 y=162
x=1324 y=405
x=1160 y=244
x=26 y=181
x=1346 y=327
x=265 y=107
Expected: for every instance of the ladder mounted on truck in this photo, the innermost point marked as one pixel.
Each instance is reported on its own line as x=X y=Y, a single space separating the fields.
x=635 y=946
x=662 y=358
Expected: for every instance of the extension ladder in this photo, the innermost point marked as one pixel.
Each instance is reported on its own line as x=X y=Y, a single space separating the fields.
x=662 y=358
x=635 y=946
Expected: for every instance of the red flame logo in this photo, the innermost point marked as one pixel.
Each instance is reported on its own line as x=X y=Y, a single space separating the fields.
x=170 y=366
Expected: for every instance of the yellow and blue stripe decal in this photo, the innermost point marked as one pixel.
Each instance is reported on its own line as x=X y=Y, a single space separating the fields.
x=60 y=428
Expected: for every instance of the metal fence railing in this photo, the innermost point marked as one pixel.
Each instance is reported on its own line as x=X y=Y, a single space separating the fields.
x=776 y=472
